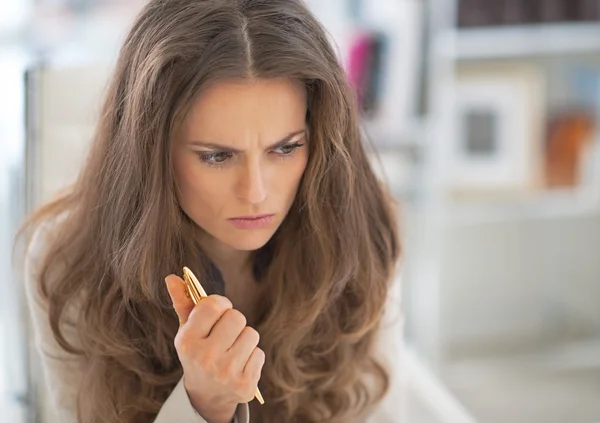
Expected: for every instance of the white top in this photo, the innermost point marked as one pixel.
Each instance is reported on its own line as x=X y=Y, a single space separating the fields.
x=63 y=376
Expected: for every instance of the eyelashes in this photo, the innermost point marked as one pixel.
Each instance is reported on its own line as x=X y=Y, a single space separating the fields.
x=213 y=159
x=222 y=158
x=288 y=150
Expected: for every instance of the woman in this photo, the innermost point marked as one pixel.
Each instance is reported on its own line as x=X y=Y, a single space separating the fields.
x=229 y=143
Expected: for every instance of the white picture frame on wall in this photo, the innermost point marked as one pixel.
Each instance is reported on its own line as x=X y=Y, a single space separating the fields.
x=497 y=145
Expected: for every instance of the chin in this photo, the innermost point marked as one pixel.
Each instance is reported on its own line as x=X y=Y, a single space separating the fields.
x=250 y=242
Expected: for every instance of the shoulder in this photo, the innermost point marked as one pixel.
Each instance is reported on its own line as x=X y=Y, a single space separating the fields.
x=41 y=238
x=390 y=342
x=36 y=249
x=392 y=321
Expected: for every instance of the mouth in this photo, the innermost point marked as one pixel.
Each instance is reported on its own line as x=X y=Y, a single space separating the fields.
x=253 y=217
x=251 y=222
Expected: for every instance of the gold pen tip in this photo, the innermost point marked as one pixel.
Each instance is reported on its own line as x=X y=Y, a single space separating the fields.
x=259 y=396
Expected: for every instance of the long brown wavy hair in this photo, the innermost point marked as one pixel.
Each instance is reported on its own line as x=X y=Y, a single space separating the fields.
x=121 y=230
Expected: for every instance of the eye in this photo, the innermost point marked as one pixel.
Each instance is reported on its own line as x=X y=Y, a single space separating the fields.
x=215 y=158
x=288 y=149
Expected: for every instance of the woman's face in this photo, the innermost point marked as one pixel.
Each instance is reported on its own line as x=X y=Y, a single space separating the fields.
x=239 y=158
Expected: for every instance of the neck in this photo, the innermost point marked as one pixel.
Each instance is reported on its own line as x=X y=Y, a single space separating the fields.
x=224 y=257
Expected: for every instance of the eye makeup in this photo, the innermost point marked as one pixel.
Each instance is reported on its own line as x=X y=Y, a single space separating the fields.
x=220 y=158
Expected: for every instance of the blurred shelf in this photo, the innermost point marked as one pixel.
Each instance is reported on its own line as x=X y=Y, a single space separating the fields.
x=522 y=41
x=551 y=204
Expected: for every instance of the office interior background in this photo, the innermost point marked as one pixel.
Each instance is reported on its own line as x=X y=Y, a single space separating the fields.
x=483 y=117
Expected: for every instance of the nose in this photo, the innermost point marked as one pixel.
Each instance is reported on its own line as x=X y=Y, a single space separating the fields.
x=251 y=186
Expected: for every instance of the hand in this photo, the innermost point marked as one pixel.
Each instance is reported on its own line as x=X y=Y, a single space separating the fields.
x=219 y=354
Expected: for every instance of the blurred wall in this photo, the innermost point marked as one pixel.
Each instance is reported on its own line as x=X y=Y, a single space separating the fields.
x=519 y=277
x=64 y=123
x=62 y=129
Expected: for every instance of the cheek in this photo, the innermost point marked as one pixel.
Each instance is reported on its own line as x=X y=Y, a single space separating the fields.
x=199 y=195
x=288 y=178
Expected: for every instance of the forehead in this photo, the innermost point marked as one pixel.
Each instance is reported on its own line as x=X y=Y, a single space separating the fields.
x=230 y=109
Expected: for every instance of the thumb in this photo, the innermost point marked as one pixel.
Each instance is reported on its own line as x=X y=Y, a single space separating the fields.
x=182 y=304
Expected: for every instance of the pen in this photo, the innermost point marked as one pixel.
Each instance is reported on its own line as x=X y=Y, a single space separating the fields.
x=196 y=292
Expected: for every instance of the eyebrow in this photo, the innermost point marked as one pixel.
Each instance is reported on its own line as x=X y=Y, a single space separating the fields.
x=216 y=146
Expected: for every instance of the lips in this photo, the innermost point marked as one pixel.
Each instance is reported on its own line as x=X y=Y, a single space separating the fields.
x=252 y=222
x=254 y=217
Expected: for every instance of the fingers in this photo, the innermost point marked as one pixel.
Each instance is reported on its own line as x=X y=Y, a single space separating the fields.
x=228 y=329
x=254 y=365
x=182 y=304
x=244 y=346
x=206 y=314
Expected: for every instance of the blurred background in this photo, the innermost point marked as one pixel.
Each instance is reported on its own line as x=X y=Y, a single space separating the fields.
x=483 y=117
